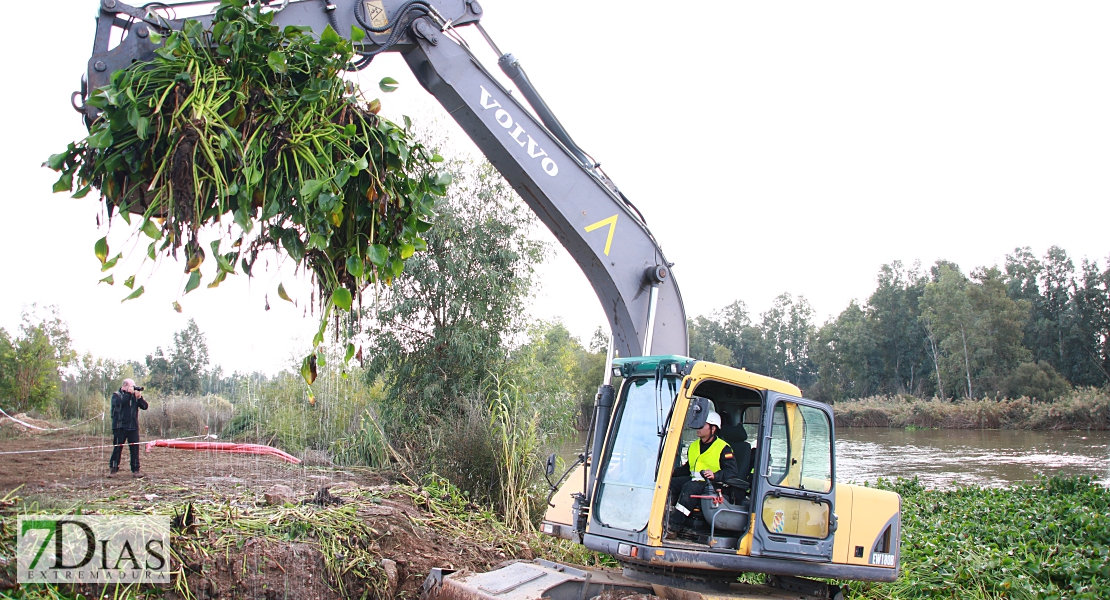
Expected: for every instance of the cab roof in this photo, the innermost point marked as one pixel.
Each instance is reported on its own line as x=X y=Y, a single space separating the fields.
x=683 y=365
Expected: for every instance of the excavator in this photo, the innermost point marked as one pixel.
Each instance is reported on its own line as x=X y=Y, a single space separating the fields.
x=785 y=516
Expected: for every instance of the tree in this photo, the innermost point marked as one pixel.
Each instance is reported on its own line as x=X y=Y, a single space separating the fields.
x=439 y=330
x=900 y=359
x=183 y=370
x=948 y=319
x=1035 y=380
x=998 y=329
x=787 y=329
x=975 y=329
x=842 y=352
x=31 y=364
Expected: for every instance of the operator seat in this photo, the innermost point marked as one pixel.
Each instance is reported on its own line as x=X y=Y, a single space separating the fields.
x=733 y=515
x=733 y=432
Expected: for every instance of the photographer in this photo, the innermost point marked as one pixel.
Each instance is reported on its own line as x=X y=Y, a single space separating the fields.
x=125 y=425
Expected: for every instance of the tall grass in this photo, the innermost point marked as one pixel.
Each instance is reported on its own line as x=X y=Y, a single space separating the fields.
x=1084 y=408
x=183 y=416
x=517 y=441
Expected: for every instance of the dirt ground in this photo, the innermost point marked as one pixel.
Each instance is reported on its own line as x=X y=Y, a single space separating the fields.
x=393 y=532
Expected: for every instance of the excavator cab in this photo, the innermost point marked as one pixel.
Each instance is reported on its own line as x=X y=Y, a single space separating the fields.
x=785 y=515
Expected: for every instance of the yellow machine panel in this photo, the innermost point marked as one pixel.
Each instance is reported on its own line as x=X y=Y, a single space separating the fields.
x=741 y=377
x=872 y=512
x=564 y=498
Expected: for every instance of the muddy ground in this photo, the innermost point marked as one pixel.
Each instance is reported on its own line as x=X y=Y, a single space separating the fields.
x=380 y=541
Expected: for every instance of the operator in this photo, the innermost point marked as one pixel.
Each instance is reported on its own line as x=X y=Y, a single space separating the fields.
x=710 y=459
x=125 y=425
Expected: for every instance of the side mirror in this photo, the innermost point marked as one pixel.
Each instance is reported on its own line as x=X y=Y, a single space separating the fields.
x=551 y=464
x=697 y=413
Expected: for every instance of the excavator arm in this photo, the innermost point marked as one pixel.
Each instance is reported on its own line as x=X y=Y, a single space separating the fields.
x=591 y=218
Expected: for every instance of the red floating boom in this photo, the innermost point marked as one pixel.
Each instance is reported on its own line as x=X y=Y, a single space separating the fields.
x=225 y=447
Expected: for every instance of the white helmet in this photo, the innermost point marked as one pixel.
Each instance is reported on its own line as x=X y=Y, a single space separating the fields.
x=713 y=419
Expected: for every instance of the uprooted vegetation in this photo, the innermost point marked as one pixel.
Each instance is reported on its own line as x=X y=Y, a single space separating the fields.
x=248 y=123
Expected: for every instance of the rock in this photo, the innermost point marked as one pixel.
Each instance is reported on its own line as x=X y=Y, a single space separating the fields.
x=390 y=568
x=279 y=494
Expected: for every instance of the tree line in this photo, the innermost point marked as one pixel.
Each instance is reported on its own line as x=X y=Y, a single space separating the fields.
x=1036 y=327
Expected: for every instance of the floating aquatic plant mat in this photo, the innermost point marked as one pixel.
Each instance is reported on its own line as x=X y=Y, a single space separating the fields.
x=247 y=123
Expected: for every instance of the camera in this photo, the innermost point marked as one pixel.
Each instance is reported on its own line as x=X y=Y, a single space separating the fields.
x=138 y=388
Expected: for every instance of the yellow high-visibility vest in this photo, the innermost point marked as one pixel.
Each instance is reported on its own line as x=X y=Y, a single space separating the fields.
x=710 y=460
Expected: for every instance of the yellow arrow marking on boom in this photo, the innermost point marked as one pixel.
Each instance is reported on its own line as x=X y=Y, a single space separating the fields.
x=612 y=223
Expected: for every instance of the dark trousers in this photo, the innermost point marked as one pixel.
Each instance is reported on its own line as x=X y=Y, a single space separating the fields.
x=119 y=438
x=682 y=487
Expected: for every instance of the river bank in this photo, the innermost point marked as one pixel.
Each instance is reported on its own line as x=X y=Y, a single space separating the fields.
x=1086 y=408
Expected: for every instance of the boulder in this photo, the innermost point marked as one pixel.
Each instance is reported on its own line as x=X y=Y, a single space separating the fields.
x=279 y=494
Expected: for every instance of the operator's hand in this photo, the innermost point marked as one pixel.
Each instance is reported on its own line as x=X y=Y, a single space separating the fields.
x=708 y=475
x=138 y=394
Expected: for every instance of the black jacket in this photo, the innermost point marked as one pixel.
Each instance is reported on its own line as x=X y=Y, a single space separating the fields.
x=125 y=410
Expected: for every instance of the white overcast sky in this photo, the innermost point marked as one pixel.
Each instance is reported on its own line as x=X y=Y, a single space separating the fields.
x=772 y=146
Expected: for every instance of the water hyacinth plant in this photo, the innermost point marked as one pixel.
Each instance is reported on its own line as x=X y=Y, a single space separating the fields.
x=253 y=124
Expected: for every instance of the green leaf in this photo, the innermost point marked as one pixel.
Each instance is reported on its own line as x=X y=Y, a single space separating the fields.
x=150 y=252
x=387 y=84
x=150 y=228
x=293 y=245
x=243 y=220
x=341 y=297
x=308 y=368
x=108 y=264
x=100 y=248
x=350 y=353
x=277 y=62
x=443 y=178
x=436 y=158
x=422 y=226
x=355 y=267
x=407 y=250
x=101 y=139
x=357 y=34
x=282 y=294
x=218 y=279
x=110 y=280
x=57 y=161
x=142 y=128
x=330 y=37
x=64 y=183
x=81 y=193
x=377 y=254
x=129 y=282
x=135 y=294
x=194 y=281
x=310 y=189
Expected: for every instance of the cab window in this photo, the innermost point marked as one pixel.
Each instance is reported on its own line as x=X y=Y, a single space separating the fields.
x=628 y=484
x=801 y=448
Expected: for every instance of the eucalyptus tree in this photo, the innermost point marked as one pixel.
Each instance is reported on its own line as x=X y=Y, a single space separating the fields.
x=436 y=333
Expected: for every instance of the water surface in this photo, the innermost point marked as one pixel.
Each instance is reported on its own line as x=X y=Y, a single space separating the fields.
x=944 y=458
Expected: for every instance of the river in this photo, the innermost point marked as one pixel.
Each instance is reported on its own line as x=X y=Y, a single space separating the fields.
x=945 y=458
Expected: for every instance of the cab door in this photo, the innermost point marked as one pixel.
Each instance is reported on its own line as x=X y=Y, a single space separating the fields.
x=793 y=509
